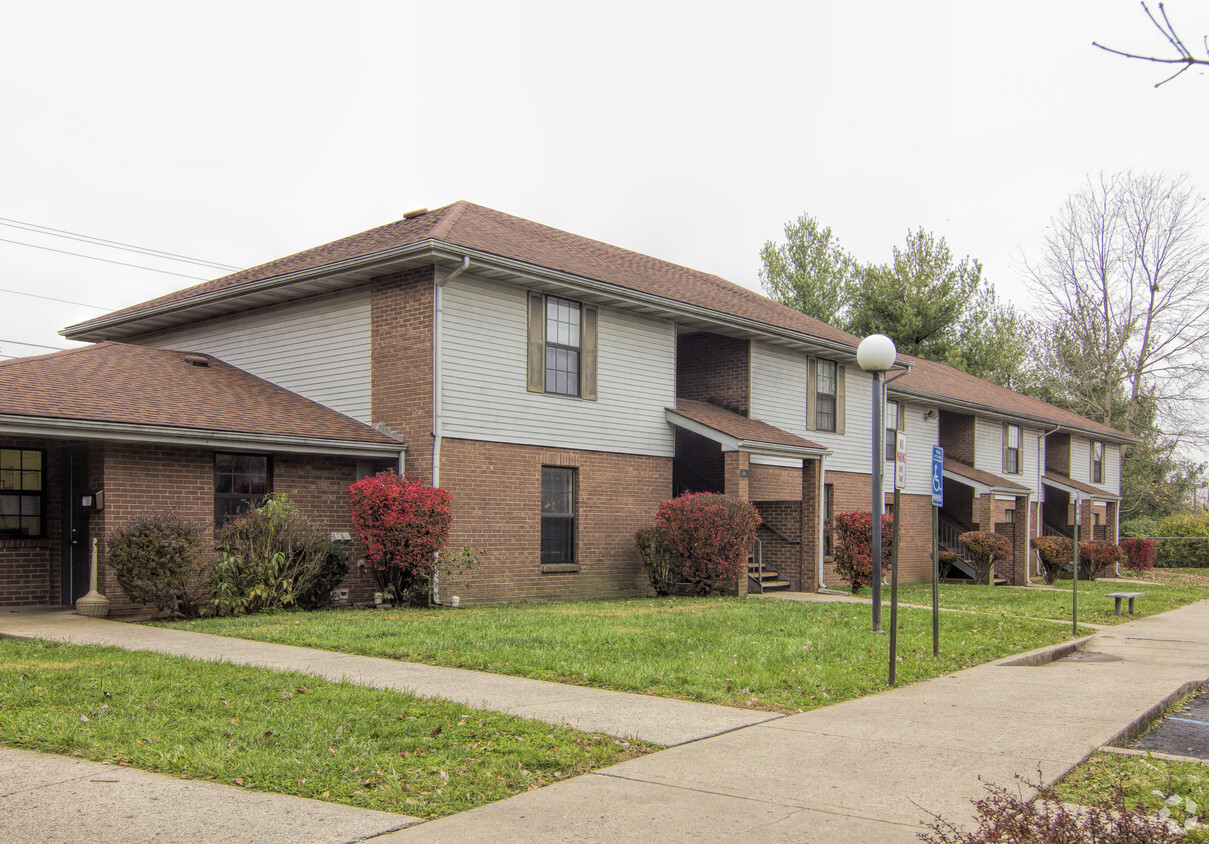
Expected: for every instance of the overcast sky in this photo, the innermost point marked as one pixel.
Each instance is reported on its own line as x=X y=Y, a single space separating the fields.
x=239 y=132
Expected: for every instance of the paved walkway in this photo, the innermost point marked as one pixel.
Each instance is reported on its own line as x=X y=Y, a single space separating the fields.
x=866 y=770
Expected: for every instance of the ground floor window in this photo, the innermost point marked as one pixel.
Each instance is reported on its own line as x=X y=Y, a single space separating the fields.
x=1009 y=516
x=22 y=491
x=558 y=514
x=241 y=481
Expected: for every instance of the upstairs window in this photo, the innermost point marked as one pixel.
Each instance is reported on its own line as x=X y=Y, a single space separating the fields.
x=22 y=491
x=558 y=514
x=241 y=481
x=892 y=429
x=1011 y=449
x=825 y=390
x=1097 y=462
x=562 y=347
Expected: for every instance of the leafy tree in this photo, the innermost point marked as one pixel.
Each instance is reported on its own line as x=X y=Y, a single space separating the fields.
x=810 y=271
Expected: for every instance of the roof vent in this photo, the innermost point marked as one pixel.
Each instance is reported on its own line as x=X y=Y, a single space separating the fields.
x=419 y=212
x=197 y=360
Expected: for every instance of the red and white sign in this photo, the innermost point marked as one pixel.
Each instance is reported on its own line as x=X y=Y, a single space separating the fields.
x=900 y=461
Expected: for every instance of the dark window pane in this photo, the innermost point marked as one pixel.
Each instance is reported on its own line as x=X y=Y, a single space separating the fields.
x=558 y=515
x=557 y=540
x=825 y=416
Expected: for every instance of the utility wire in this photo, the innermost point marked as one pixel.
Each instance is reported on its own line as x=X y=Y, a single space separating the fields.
x=53 y=299
x=106 y=260
x=114 y=244
x=35 y=345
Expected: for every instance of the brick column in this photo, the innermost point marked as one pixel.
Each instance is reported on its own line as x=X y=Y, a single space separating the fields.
x=1110 y=520
x=811 y=507
x=982 y=512
x=1086 y=520
x=1020 y=543
x=736 y=471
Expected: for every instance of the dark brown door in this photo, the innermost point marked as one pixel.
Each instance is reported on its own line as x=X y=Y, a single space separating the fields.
x=76 y=551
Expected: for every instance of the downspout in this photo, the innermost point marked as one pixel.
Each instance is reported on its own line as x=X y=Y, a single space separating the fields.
x=1028 y=580
x=434 y=597
x=822 y=493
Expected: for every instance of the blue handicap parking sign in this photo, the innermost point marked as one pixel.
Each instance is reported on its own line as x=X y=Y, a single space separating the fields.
x=938 y=477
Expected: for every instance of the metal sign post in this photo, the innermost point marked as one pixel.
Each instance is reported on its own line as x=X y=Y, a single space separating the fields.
x=938 y=501
x=900 y=481
x=1074 y=595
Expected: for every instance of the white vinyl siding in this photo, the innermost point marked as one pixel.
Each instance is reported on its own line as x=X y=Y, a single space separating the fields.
x=778 y=397
x=988 y=454
x=318 y=348
x=1080 y=459
x=1112 y=468
x=483 y=389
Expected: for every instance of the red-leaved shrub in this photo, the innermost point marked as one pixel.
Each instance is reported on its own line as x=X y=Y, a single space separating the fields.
x=712 y=535
x=854 y=546
x=1141 y=553
x=1095 y=556
x=985 y=549
x=1055 y=552
x=403 y=526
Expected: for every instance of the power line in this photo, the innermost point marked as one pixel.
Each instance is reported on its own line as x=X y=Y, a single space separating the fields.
x=53 y=299
x=105 y=260
x=114 y=244
x=35 y=345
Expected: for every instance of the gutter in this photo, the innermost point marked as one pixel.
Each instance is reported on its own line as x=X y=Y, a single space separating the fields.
x=437 y=286
x=822 y=517
x=122 y=431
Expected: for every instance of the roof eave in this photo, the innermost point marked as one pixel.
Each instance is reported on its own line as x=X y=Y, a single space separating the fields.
x=989 y=410
x=43 y=426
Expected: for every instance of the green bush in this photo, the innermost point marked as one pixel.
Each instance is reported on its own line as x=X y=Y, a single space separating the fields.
x=1140 y=527
x=663 y=567
x=157 y=558
x=1182 y=539
x=273 y=556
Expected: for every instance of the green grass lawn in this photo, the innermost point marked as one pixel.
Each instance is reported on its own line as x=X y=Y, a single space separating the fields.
x=763 y=654
x=1139 y=778
x=281 y=732
x=1039 y=602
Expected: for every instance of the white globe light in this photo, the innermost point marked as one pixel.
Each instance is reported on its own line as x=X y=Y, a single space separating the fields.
x=876 y=353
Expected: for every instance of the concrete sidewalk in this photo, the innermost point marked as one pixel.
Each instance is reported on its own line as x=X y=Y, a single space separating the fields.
x=867 y=770
x=659 y=720
x=870 y=769
x=46 y=798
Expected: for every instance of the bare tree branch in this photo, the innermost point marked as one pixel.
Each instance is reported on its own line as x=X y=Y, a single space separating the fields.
x=1185 y=56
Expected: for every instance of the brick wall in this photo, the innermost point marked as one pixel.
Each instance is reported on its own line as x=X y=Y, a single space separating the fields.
x=496 y=489
x=713 y=368
x=1057 y=454
x=783 y=555
x=30 y=567
x=854 y=492
x=956 y=436
x=774 y=483
x=401 y=357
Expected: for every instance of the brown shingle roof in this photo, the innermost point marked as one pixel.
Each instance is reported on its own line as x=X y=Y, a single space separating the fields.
x=936 y=379
x=1063 y=480
x=486 y=230
x=739 y=427
x=142 y=385
x=978 y=476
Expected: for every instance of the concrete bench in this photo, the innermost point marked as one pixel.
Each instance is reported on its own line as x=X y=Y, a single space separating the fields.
x=1117 y=596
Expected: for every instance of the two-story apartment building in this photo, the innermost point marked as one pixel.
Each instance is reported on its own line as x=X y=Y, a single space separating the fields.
x=561 y=388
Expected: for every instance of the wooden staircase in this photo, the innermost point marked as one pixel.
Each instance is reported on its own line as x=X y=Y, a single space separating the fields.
x=762 y=577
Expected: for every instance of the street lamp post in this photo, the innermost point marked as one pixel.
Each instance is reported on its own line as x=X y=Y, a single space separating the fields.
x=876 y=354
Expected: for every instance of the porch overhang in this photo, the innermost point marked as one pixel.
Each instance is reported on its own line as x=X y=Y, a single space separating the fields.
x=982 y=482
x=77 y=429
x=1077 y=488
x=737 y=436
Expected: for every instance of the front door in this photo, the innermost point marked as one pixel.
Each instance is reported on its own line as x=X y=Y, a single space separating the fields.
x=76 y=552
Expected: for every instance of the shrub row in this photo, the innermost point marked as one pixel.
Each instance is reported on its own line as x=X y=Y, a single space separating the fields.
x=1181 y=540
x=1095 y=556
